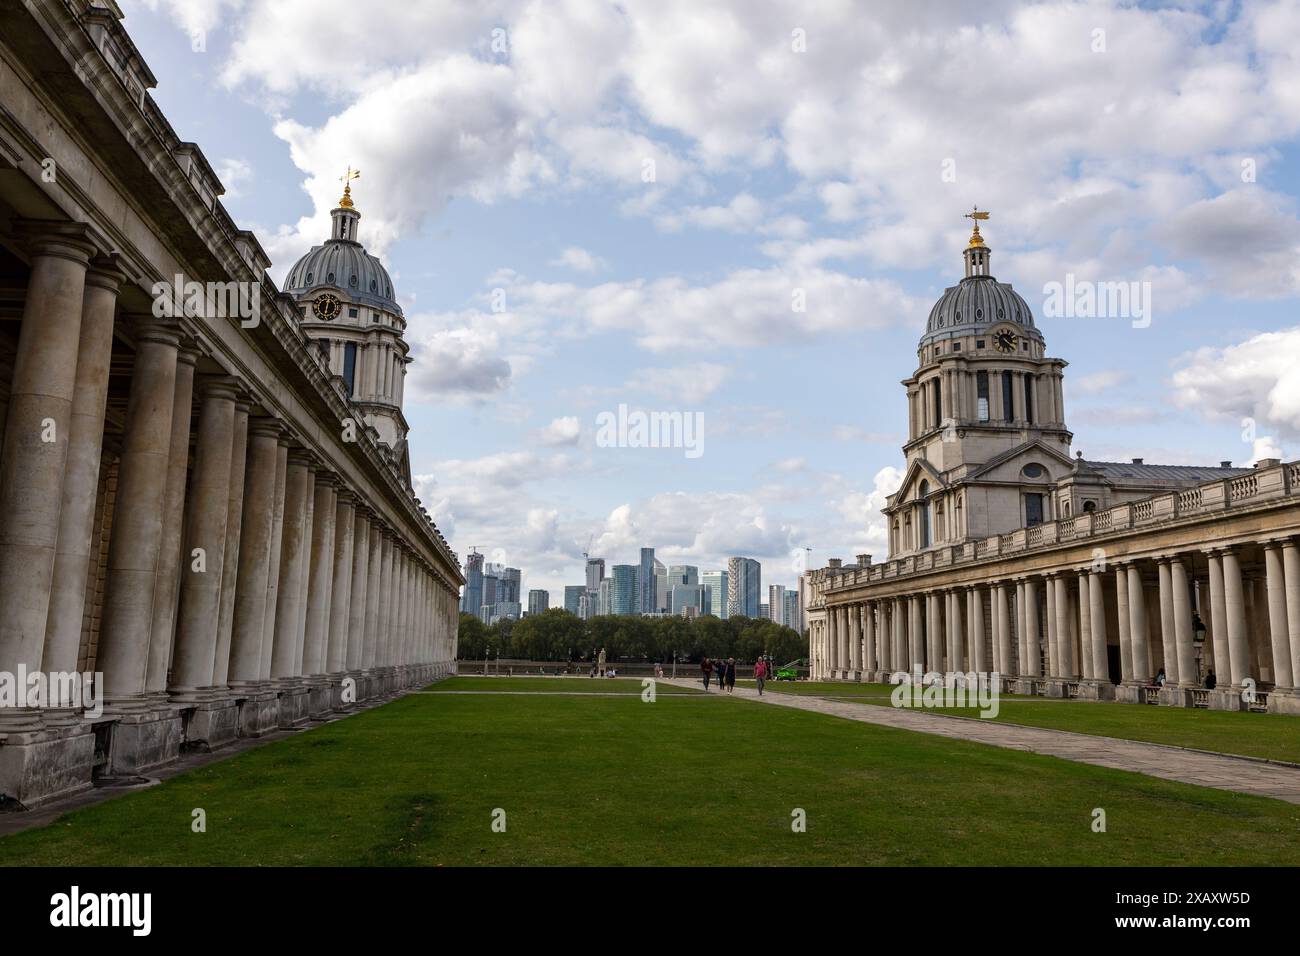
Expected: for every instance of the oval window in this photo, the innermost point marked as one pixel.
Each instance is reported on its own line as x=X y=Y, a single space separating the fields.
x=1032 y=470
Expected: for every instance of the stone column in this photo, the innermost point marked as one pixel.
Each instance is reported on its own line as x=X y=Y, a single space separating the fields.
x=269 y=635
x=321 y=577
x=1066 y=666
x=340 y=602
x=166 y=598
x=1033 y=665
x=35 y=447
x=1291 y=570
x=832 y=640
x=309 y=523
x=369 y=658
x=1181 y=597
x=286 y=655
x=234 y=526
x=1279 y=631
x=979 y=662
x=1125 y=632
x=1085 y=629
x=933 y=636
x=1219 y=620
x=1137 y=607
x=136 y=543
x=1097 y=625
x=1235 y=608
x=870 y=632
x=1167 y=641
x=81 y=476
x=855 y=640
x=205 y=540
x=1055 y=625
x=254 y=554
x=383 y=648
x=360 y=581
x=1002 y=623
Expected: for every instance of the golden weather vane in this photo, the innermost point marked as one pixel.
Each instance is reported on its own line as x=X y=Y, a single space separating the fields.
x=977 y=216
x=346 y=180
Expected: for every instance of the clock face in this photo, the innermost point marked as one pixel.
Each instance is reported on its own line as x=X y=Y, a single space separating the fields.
x=1005 y=341
x=326 y=307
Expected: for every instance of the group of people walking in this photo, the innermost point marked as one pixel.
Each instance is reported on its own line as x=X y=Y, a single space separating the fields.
x=724 y=670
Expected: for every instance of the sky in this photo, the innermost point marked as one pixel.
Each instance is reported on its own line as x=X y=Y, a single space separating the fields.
x=743 y=210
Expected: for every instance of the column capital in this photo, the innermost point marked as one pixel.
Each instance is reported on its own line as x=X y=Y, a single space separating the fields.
x=302 y=458
x=264 y=426
x=148 y=328
x=346 y=496
x=57 y=237
x=218 y=386
x=109 y=271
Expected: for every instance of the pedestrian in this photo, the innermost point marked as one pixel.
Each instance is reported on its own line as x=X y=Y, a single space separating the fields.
x=760 y=674
x=1211 y=681
x=706 y=667
x=731 y=674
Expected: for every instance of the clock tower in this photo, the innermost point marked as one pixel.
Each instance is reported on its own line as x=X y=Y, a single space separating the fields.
x=986 y=421
x=350 y=313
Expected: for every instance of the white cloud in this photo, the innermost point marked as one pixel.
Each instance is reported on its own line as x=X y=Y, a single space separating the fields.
x=462 y=362
x=580 y=260
x=561 y=431
x=691 y=384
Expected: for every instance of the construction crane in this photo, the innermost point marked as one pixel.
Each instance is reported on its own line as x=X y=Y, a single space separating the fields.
x=587 y=553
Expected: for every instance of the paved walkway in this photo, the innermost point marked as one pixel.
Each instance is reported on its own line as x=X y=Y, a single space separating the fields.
x=1223 y=772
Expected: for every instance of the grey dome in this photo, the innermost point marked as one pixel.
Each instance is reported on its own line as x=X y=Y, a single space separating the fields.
x=346 y=266
x=975 y=304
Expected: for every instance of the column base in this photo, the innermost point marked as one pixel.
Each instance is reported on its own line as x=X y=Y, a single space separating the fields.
x=259 y=712
x=1227 y=699
x=139 y=741
x=1057 y=688
x=1096 y=690
x=293 y=705
x=42 y=765
x=1284 y=702
x=1175 y=696
x=320 y=697
x=210 y=724
x=1025 y=686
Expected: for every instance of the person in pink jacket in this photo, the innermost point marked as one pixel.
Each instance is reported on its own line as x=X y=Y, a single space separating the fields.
x=760 y=675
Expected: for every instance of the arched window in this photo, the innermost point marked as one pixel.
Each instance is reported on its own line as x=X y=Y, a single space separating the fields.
x=1089 y=506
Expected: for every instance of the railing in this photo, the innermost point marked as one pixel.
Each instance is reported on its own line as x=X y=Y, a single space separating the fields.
x=1072 y=689
x=1200 y=697
x=1210 y=497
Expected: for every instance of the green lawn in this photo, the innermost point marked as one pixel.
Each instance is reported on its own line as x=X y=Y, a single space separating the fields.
x=1255 y=735
x=685 y=780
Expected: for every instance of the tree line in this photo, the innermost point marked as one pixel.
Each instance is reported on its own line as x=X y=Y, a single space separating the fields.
x=557 y=635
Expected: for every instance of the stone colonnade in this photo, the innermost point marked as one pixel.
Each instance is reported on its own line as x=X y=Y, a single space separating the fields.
x=223 y=572
x=1102 y=631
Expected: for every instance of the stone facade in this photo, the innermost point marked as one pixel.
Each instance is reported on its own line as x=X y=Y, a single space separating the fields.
x=194 y=504
x=1117 y=574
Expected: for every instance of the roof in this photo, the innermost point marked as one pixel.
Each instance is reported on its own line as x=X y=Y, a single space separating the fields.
x=1130 y=471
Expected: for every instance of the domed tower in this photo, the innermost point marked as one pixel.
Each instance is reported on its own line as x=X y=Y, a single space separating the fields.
x=987 y=438
x=351 y=314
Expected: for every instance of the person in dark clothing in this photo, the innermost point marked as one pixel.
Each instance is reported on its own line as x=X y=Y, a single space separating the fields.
x=706 y=667
x=1211 y=681
x=731 y=674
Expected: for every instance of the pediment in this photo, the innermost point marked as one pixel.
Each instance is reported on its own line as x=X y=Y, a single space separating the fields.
x=1009 y=466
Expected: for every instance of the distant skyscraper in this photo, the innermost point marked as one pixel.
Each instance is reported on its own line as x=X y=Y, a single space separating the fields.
x=625 y=591
x=595 y=573
x=472 y=599
x=491 y=588
x=538 y=601
x=661 y=586
x=715 y=585
x=508 y=588
x=744 y=581
x=605 y=597
x=793 y=613
x=646 y=599
x=683 y=574
x=572 y=592
x=776 y=602
x=687 y=598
